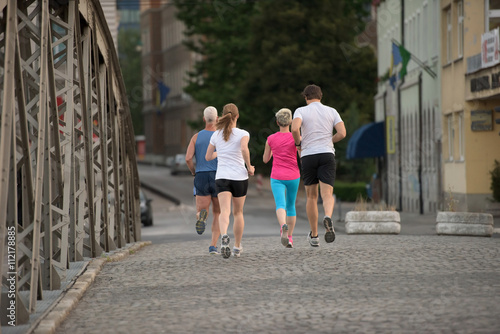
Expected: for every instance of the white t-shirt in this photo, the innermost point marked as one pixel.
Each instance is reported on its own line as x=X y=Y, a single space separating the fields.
x=318 y=122
x=230 y=163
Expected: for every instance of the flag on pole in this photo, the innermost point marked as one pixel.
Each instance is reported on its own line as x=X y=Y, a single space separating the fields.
x=400 y=55
x=396 y=55
x=163 y=91
x=392 y=81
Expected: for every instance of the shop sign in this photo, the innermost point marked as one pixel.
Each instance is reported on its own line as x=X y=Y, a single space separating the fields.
x=390 y=134
x=481 y=120
x=489 y=48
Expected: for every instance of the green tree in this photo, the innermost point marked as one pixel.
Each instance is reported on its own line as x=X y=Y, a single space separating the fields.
x=295 y=43
x=219 y=31
x=129 y=55
x=261 y=54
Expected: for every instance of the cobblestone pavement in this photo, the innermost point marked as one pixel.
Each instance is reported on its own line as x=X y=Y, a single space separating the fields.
x=358 y=284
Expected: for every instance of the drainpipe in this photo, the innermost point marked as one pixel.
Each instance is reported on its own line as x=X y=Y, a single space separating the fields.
x=385 y=179
x=399 y=112
x=421 y=198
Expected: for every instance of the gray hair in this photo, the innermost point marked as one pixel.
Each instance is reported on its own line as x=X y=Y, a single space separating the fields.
x=210 y=114
x=284 y=117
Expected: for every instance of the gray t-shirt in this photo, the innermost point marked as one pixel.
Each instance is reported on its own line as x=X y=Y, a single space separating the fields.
x=318 y=122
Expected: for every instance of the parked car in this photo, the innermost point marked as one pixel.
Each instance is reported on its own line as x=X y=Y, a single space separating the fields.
x=179 y=166
x=146 y=211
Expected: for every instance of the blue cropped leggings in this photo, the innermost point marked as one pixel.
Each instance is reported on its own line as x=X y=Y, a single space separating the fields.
x=285 y=194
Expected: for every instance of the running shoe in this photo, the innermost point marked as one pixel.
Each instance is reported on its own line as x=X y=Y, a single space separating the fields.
x=290 y=242
x=330 y=233
x=237 y=251
x=224 y=249
x=313 y=241
x=284 y=235
x=213 y=250
x=201 y=222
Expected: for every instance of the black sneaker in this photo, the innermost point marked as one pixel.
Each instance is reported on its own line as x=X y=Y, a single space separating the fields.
x=330 y=233
x=224 y=249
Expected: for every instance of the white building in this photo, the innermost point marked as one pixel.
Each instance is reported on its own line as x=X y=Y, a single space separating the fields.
x=411 y=175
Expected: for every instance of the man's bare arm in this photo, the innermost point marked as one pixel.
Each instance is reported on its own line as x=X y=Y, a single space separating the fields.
x=341 y=132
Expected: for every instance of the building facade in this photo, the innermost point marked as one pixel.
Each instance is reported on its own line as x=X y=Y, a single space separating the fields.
x=111 y=14
x=410 y=104
x=166 y=62
x=470 y=100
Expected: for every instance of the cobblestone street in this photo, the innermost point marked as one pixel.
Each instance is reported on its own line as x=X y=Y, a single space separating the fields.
x=360 y=283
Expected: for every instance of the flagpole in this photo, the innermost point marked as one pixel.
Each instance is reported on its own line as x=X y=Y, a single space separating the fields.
x=400 y=154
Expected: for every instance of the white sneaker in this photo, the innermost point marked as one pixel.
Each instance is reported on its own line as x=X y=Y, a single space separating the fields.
x=284 y=235
x=314 y=242
x=237 y=251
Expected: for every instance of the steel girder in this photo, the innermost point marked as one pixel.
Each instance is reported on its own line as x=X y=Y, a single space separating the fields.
x=69 y=186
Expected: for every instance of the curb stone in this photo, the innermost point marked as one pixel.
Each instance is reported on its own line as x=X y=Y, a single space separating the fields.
x=70 y=298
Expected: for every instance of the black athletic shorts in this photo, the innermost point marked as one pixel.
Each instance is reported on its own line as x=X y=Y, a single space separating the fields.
x=204 y=183
x=236 y=188
x=318 y=167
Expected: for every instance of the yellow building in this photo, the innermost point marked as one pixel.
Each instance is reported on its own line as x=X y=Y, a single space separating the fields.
x=470 y=100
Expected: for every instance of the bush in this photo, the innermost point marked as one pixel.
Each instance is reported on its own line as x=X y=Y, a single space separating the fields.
x=495 y=181
x=349 y=192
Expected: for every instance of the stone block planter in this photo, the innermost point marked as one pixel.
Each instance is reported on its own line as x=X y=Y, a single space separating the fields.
x=464 y=223
x=372 y=222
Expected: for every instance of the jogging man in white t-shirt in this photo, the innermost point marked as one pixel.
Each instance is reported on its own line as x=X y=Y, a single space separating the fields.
x=317 y=154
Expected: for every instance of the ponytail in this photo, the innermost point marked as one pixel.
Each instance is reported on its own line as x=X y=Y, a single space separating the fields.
x=229 y=114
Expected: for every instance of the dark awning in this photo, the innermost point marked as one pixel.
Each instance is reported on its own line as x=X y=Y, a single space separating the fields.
x=367 y=142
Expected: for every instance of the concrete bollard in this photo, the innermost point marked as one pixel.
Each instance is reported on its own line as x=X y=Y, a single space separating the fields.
x=372 y=222
x=464 y=223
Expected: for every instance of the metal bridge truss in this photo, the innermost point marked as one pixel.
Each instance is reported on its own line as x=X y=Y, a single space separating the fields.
x=69 y=185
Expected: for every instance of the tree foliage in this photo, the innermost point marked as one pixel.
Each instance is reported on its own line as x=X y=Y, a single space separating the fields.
x=261 y=54
x=219 y=32
x=129 y=56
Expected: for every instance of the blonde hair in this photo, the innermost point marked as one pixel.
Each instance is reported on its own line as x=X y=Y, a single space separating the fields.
x=229 y=114
x=284 y=117
x=210 y=114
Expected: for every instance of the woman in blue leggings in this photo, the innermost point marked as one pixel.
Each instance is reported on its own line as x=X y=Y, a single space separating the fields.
x=285 y=174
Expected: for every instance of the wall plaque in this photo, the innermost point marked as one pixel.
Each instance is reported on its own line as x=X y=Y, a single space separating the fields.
x=481 y=120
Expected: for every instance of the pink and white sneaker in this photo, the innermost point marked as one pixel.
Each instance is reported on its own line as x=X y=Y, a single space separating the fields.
x=290 y=242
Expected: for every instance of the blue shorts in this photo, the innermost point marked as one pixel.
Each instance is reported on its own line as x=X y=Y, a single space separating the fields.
x=204 y=184
x=285 y=194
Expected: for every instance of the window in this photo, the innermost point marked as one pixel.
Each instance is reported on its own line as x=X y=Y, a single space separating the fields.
x=145 y=42
x=418 y=35
x=461 y=135
x=414 y=36
x=460 y=25
x=493 y=14
x=424 y=37
x=451 y=136
x=407 y=26
x=435 y=27
x=448 y=35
